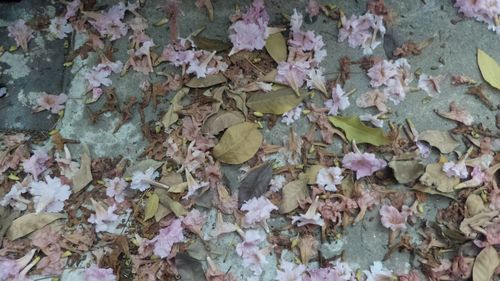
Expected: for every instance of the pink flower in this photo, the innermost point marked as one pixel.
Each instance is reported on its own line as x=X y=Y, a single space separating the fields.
x=60 y=27
x=430 y=84
x=392 y=218
x=115 y=188
x=52 y=103
x=290 y=271
x=364 y=164
x=495 y=199
x=395 y=91
x=141 y=180
x=339 y=101
x=72 y=8
x=167 y=238
x=313 y=8
x=94 y=273
x=109 y=24
x=458 y=169
x=98 y=77
x=483 y=11
x=104 y=219
x=21 y=33
x=16 y=269
x=329 y=178
x=316 y=80
x=293 y=74
x=304 y=46
x=258 y=210
x=310 y=217
x=381 y=72
x=362 y=31
x=250 y=33
x=339 y=272
x=37 y=163
x=194 y=221
x=49 y=196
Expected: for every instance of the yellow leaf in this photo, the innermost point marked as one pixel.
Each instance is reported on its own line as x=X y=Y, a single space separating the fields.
x=276 y=47
x=84 y=176
x=28 y=223
x=151 y=206
x=238 y=144
x=293 y=192
x=275 y=102
x=489 y=68
x=485 y=264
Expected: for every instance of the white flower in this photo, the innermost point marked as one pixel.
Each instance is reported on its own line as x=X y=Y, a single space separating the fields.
x=372 y=119
x=310 y=217
x=103 y=218
x=316 y=80
x=116 y=188
x=329 y=178
x=193 y=185
x=14 y=198
x=252 y=239
x=290 y=271
x=258 y=210
x=378 y=272
x=60 y=27
x=458 y=170
x=140 y=180
x=277 y=183
x=49 y=196
x=293 y=115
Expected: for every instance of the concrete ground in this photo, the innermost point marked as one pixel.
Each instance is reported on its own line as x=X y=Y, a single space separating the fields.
x=452 y=51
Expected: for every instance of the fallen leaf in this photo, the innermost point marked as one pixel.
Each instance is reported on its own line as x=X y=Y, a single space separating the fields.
x=221 y=121
x=151 y=206
x=84 y=174
x=162 y=212
x=168 y=202
x=240 y=99
x=312 y=173
x=175 y=105
x=197 y=250
x=238 y=144
x=354 y=129
x=432 y=191
x=7 y=216
x=435 y=177
x=274 y=102
x=142 y=166
x=485 y=264
x=255 y=183
x=209 y=44
x=474 y=205
x=407 y=170
x=489 y=68
x=276 y=47
x=28 y=223
x=439 y=139
x=206 y=82
x=308 y=246
x=469 y=225
x=292 y=193
x=189 y=269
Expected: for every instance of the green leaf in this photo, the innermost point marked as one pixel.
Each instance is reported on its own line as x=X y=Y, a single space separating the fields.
x=275 y=102
x=238 y=144
x=485 y=264
x=489 y=68
x=151 y=206
x=354 y=129
x=276 y=47
x=293 y=192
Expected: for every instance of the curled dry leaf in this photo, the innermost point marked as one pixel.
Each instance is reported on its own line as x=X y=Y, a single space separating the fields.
x=439 y=139
x=175 y=105
x=255 y=183
x=469 y=225
x=210 y=80
x=435 y=177
x=293 y=192
x=275 y=102
x=276 y=47
x=221 y=121
x=489 y=68
x=354 y=129
x=407 y=170
x=485 y=264
x=84 y=175
x=238 y=144
x=28 y=223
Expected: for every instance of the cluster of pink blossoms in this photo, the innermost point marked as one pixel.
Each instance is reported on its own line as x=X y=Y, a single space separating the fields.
x=487 y=11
